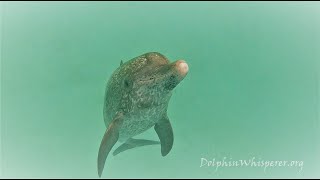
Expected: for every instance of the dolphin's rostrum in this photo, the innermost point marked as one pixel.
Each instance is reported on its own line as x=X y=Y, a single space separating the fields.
x=136 y=99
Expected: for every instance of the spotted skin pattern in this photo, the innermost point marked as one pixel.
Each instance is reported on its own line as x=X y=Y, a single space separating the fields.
x=140 y=88
x=136 y=99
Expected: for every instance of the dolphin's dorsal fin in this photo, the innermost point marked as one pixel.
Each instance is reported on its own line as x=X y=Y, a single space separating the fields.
x=121 y=62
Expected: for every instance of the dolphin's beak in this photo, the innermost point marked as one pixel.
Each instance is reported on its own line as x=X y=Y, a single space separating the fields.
x=181 y=68
x=173 y=72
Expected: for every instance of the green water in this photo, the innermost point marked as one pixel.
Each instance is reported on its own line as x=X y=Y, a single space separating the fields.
x=252 y=89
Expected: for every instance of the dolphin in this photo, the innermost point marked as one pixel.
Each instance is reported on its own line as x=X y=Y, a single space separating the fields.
x=136 y=99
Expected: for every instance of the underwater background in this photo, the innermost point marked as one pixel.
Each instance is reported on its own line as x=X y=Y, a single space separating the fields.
x=252 y=89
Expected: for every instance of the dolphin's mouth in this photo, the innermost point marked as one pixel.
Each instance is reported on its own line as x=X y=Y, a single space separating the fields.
x=168 y=75
x=157 y=74
x=169 y=80
x=152 y=79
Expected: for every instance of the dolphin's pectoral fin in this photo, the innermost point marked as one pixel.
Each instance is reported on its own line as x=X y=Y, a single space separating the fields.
x=132 y=143
x=109 y=139
x=165 y=133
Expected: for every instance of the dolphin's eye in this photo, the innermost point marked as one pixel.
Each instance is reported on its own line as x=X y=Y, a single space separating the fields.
x=171 y=78
x=127 y=83
x=171 y=82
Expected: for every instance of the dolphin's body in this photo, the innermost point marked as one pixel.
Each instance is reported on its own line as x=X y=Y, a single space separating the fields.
x=136 y=99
